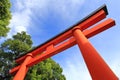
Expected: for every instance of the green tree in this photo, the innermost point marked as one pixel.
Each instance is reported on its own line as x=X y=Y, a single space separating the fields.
x=18 y=45
x=46 y=70
x=5 y=16
x=11 y=48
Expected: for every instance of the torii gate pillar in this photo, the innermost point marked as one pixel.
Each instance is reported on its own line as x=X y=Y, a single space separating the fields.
x=23 y=69
x=95 y=64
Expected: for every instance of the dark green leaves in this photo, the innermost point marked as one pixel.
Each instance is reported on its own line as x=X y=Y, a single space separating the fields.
x=11 y=48
x=5 y=16
x=46 y=70
x=18 y=45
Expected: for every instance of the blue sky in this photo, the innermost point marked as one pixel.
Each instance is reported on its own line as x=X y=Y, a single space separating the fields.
x=43 y=19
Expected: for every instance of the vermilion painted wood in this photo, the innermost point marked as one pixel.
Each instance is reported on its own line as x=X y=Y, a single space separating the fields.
x=52 y=52
x=23 y=69
x=14 y=70
x=99 y=28
x=69 y=43
x=97 y=67
x=87 y=23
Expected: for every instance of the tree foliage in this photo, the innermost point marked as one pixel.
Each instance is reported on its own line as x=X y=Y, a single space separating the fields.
x=5 y=16
x=11 y=48
x=18 y=45
x=46 y=70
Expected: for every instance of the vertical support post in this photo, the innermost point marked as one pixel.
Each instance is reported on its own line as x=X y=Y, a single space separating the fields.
x=97 y=67
x=20 y=75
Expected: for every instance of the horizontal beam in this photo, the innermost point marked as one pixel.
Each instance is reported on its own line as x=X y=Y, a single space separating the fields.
x=99 y=28
x=14 y=70
x=93 y=31
x=67 y=34
x=71 y=42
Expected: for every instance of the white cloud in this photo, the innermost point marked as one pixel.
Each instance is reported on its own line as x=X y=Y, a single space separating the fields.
x=20 y=18
x=74 y=67
x=21 y=15
x=23 y=10
x=67 y=9
x=76 y=71
x=115 y=66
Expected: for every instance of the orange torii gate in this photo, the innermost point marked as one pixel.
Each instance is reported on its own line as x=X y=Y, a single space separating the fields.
x=76 y=34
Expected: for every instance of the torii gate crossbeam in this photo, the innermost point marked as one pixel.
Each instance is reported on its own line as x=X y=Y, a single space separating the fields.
x=77 y=34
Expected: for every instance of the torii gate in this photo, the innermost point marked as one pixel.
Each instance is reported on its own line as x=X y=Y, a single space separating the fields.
x=77 y=34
